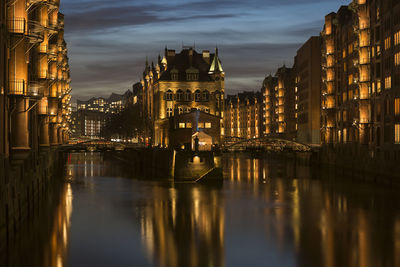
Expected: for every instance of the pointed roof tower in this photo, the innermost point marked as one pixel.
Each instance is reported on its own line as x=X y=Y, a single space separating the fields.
x=216 y=66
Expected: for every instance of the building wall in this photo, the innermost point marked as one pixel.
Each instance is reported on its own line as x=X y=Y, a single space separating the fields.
x=3 y=84
x=269 y=101
x=360 y=75
x=165 y=95
x=244 y=115
x=308 y=91
x=36 y=89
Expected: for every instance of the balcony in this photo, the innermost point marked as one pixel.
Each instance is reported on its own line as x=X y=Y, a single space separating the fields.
x=52 y=52
x=32 y=29
x=52 y=26
x=19 y=87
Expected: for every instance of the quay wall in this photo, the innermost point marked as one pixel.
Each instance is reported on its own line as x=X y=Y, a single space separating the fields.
x=358 y=163
x=25 y=186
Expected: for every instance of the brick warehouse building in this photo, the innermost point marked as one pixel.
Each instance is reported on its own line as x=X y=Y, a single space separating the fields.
x=178 y=84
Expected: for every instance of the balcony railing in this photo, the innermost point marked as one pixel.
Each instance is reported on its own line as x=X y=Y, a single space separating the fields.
x=16 y=87
x=16 y=26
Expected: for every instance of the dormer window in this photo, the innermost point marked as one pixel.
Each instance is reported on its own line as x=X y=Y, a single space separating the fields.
x=192 y=74
x=174 y=74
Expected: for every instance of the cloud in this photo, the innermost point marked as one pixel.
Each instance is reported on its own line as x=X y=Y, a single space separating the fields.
x=108 y=40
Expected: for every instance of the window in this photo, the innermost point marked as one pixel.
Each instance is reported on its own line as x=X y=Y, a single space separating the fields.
x=397 y=106
x=397 y=133
x=205 y=95
x=397 y=59
x=168 y=95
x=188 y=96
x=169 y=112
x=208 y=125
x=179 y=95
x=197 y=96
x=387 y=43
x=201 y=125
x=180 y=109
x=181 y=125
x=388 y=82
x=397 y=38
x=188 y=125
x=174 y=74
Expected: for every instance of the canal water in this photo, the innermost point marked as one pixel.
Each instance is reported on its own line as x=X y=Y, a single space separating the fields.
x=264 y=213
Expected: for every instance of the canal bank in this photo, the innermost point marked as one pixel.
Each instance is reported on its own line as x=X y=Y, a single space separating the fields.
x=25 y=188
x=180 y=166
x=357 y=163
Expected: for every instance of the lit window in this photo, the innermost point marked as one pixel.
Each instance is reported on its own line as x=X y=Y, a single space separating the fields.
x=388 y=82
x=188 y=125
x=397 y=106
x=397 y=38
x=169 y=112
x=397 y=59
x=208 y=125
x=397 y=133
x=201 y=125
x=181 y=125
x=387 y=43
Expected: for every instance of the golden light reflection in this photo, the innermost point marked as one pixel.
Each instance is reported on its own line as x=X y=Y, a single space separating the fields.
x=184 y=231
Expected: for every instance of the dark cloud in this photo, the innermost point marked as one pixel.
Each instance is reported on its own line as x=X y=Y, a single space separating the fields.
x=109 y=40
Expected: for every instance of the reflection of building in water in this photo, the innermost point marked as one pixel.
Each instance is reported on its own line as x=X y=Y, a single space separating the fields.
x=56 y=253
x=325 y=224
x=186 y=230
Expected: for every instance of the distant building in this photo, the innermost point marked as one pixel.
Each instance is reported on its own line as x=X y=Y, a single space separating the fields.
x=279 y=104
x=113 y=104
x=244 y=115
x=90 y=115
x=270 y=84
x=308 y=91
x=178 y=84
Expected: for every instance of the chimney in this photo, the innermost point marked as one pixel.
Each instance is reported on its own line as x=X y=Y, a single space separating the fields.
x=206 y=56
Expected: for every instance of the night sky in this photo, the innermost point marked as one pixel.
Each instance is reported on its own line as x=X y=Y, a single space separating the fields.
x=108 y=40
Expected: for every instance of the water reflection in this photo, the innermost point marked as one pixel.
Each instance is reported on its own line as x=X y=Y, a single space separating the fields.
x=44 y=240
x=184 y=226
x=267 y=212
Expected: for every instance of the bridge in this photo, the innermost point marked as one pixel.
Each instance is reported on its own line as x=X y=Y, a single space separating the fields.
x=98 y=145
x=272 y=144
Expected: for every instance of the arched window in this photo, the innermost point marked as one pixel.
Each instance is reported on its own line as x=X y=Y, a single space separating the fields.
x=179 y=95
x=169 y=95
x=169 y=112
x=188 y=95
x=197 y=96
x=180 y=109
x=206 y=95
x=187 y=110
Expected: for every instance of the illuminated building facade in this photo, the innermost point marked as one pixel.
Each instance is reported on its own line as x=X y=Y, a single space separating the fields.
x=35 y=81
x=182 y=83
x=279 y=104
x=361 y=60
x=244 y=115
x=268 y=94
x=115 y=103
x=308 y=91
